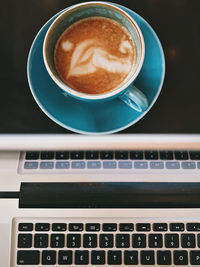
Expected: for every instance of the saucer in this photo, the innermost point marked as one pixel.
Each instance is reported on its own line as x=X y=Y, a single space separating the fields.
x=95 y=118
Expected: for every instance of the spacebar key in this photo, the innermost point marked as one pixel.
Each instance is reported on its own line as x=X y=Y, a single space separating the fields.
x=28 y=257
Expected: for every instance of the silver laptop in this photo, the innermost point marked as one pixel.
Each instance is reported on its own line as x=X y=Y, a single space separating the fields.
x=130 y=198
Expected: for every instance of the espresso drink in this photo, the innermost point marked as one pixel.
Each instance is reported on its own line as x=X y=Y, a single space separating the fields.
x=94 y=55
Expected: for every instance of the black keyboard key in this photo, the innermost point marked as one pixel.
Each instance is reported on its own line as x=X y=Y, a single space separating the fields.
x=107 y=154
x=198 y=240
x=121 y=155
x=41 y=241
x=28 y=257
x=177 y=227
x=164 y=257
x=188 y=241
x=136 y=155
x=98 y=257
x=160 y=227
x=89 y=240
x=25 y=227
x=42 y=227
x=180 y=257
x=126 y=227
x=130 y=257
x=139 y=241
x=24 y=241
x=166 y=155
x=59 y=227
x=171 y=240
x=155 y=241
x=195 y=155
x=81 y=257
x=151 y=155
x=62 y=155
x=109 y=227
x=143 y=227
x=106 y=240
x=92 y=155
x=181 y=155
x=73 y=240
x=31 y=155
x=48 y=257
x=147 y=257
x=76 y=227
x=114 y=257
x=77 y=155
x=57 y=240
x=47 y=155
x=92 y=227
x=122 y=241
x=195 y=257
x=193 y=227
x=65 y=257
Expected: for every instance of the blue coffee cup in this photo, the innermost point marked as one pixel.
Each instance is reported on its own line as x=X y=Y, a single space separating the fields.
x=126 y=91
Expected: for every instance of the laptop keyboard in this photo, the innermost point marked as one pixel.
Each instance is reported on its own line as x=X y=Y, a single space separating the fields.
x=65 y=161
x=57 y=242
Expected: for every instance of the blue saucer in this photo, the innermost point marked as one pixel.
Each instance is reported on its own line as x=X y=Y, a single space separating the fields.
x=95 y=118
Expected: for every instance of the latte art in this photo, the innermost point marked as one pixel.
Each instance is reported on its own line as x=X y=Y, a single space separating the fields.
x=94 y=55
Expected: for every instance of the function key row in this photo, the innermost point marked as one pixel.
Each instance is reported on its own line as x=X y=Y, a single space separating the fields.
x=110 y=155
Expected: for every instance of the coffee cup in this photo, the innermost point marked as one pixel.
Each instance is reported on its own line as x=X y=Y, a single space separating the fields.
x=94 y=51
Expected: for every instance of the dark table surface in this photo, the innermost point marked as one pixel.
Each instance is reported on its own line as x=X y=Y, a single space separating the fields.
x=177 y=24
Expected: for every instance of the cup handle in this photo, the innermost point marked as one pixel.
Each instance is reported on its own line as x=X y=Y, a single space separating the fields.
x=134 y=98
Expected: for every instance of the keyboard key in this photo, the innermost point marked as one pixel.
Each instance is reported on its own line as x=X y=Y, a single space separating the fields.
x=198 y=240
x=109 y=227
x=160 y=227
x=180 y=257
x=77 y=155
x=48 y=257
x=92 y=227
x=172 y=165
x=46 y=165
x=193 y=227
x=122 y=241
x=57 y=240
x=81 y=257
x=32 y=155
x=195 y=257
x=62 y=165
x=94 y=164
x=106 y=240
x=28 y=165
x=188 y=165
x=78 y=164
x=126 y=227
x=198 y=165
x=140 y=165
x=98 y=257
x=155 y=241
x=73 y=240
x=89 y=240
x=107 y=154
x=178 y=227
x=47 y=155
x=114 y=257
x=60 y=155
x=25 y=227
x=121 y=155
x=147 y=257
x=59 y=227
x=171 y=240
x=164 y=257
x=166 y=155
x=188 y=241
x=195 y=155
x=130 y=257
x=143 y=227
x=151 y=154
x=157 y=165
x=42 y=227
x=24 y=241
x=76 y=227
x=136 y=155
x=125 y=165
x=109 y=165
x=181 y=155
x=41 y=241
x=92 y=155
x=138 y=240
x=28 y=257
x=65 y=257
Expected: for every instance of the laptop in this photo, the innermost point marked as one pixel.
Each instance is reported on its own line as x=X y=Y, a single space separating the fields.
x=131 y=198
